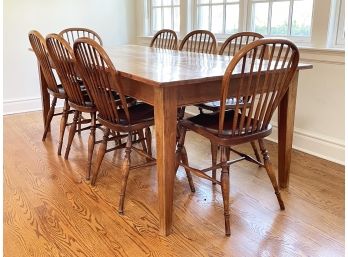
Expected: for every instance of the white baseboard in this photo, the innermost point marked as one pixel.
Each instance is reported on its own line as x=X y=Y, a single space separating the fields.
x=309 y=142
x=318 y=145
x=21 y=105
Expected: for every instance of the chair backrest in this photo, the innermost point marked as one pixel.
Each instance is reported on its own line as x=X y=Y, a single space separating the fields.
x=64 y=61
x=235 y=42
x=263 y=82
x=199 y=41
x=38 y=45
x=166 y=39
x=101 y=79
x=71 y=34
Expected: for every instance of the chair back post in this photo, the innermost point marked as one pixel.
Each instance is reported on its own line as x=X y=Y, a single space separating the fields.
x=38 y=45
x=71 y=34
x=263 y=82
x=199 y=41
x=165 y=39
x=65 y=63
x=235 y=42
x=101 y=79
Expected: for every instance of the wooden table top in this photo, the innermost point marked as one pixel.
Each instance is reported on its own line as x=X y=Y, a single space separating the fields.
x=162 y=67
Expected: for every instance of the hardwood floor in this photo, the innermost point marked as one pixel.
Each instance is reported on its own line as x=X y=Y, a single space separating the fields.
x=50 y=210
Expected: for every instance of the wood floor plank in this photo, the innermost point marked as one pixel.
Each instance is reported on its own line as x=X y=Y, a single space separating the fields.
x=50 y=210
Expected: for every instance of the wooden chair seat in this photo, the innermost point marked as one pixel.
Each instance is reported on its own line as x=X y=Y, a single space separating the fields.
x=143 y=117
x=207 y=125
x=139 y=113
x=60 y=93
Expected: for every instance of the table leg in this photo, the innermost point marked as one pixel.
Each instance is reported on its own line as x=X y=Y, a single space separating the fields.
x=165 y=121
x=286 y=119
x=45 y=96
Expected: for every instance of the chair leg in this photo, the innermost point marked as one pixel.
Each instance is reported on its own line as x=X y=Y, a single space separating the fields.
x=148 y=138
x=49 y=118
x=125 y=173
x=225 y=188
x=214 y=153
x=79 y=124
x=270 y=172
x=134 y=137
x=118 y=141
x=100 y=156
x=181 y=154
x=114 y=134
x=91 y=143
x=142 y=139
x=256 y=152
x=200 y=110
x=71 y=133
x=181 y=112
x=63 y=122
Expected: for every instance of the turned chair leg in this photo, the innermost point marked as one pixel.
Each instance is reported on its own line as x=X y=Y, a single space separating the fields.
x=71 y=133
x=100 y=155
x=225 y=188
x=270 y=172
x=256 y=152
x=125 y=172
x=148 y=138
x=214 y=153
x=63 y=122
x=49 y=118
x=91 y=143
x=181 y=154
x=142 y=139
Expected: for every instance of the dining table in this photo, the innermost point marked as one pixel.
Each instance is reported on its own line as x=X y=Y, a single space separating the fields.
x=168 y=79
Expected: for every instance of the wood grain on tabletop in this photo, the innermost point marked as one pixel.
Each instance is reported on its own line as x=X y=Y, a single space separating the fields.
x=169 y=67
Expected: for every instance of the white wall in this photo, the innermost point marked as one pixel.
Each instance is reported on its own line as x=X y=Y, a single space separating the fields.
x=113 y=20
x=319 y=117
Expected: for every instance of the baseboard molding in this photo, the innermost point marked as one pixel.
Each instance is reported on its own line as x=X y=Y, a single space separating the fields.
x=21 y=105
x=318 y=145
x=321 y=146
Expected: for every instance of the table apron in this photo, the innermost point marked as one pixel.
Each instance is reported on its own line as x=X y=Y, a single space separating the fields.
x=193 y=93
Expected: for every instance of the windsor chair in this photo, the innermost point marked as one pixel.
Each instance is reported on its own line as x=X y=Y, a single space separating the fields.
x=54 y=89
x=263 y=81
x=100 y=76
